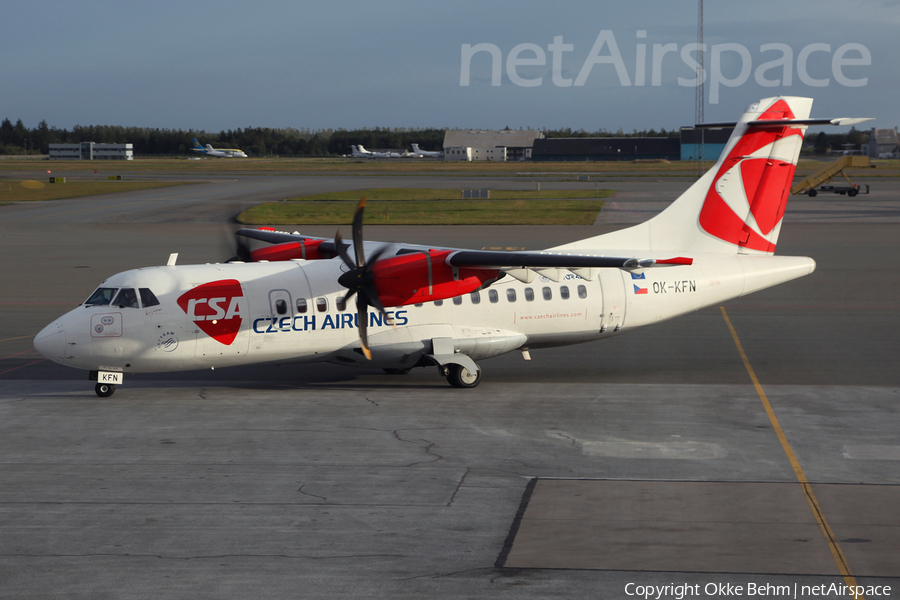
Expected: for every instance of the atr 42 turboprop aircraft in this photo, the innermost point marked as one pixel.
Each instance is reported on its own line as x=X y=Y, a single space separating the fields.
x=426 y=153
x=420 y=305
x=220 y=153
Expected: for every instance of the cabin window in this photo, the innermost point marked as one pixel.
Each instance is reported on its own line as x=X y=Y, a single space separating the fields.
x=341 y=303
x=126 y=298
x=529 y=294
x=548 y=293
x=457 y=300
x=493 y=296
x=301 y=305
x=102 y=296
x=281 y=307
x=564 y=292
x=321 y=304
x=148 y=298
x=511 y=294
x=582 y=291
x=476 y=297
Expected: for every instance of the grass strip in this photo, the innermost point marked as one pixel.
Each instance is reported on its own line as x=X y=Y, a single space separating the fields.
x=412 y=212
x=424 y=194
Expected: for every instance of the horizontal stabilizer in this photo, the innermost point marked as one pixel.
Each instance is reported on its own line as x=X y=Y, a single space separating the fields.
x=787 y=122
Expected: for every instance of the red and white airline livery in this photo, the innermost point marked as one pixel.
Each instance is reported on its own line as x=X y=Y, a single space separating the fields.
x=419 y=306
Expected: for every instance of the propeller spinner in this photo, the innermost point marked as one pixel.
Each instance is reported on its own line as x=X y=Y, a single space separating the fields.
x=359 y=279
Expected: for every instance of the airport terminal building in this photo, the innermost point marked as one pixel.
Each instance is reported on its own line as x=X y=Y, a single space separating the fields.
x=91 y=151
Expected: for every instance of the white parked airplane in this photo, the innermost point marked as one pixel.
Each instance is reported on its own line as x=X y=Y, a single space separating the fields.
x=362 y=152
x=427 y=153
x=420 y=305
x=221 y=153
x=357 y=153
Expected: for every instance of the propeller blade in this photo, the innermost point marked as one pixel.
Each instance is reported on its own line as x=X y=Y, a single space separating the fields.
x=359 y=279
x=362 y=310
x=357 y=232
x=375 y=256
x=342 y=249
x=372 y=295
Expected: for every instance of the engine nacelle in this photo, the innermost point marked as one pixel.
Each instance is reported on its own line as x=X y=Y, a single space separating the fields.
x=307 y=250
x=424 y=277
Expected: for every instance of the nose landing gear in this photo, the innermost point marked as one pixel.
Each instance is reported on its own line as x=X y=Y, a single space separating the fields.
x=105 y=390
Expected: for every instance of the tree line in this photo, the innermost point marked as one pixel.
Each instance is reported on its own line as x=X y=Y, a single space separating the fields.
x=15 y=138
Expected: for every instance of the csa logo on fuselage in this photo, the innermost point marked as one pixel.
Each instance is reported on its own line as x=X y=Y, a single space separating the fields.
x=217 y=308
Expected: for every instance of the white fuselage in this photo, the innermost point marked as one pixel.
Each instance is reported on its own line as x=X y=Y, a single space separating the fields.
x=236 y=314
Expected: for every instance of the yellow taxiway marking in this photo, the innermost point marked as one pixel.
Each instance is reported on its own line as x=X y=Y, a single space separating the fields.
x=839 y=558
x=21 y=337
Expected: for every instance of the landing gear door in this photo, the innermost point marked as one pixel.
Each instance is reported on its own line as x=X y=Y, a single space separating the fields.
x=612 y=284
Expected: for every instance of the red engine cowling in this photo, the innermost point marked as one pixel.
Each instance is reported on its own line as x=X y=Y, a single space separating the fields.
x=307 y=250
x=424 y=277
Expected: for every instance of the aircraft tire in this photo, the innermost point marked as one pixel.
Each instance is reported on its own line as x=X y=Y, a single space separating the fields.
x=460 y=377
x=105 y=390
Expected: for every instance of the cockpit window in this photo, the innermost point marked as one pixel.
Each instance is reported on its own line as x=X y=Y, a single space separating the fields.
x=148 y=298
x=126 y=298
x=102 y=296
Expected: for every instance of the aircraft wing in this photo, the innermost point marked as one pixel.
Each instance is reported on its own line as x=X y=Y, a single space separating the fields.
x=480 y=259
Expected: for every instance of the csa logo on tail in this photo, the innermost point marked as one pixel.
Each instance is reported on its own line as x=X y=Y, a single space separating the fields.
x=746 y=201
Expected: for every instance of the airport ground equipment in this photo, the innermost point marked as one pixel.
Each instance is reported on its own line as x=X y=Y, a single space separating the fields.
x=830 y=170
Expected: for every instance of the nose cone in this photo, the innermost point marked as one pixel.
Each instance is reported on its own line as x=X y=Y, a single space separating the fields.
x=51 y=341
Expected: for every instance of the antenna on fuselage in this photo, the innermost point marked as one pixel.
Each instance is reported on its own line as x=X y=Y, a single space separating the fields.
x=172 y=259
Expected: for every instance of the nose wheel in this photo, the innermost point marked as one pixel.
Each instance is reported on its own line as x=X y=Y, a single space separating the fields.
x=460 y=377
x=105 y=390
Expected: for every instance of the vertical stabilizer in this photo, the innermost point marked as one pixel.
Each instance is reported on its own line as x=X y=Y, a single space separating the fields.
x=737 y=207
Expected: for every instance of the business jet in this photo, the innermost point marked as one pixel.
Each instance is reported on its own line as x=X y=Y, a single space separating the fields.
x=426 y=153
x=420 y=306
x=220 y=153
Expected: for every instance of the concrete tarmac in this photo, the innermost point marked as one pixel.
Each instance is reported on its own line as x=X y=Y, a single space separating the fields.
x=648 y=459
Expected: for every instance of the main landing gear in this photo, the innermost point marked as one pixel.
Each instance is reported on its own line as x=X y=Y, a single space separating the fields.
x=460 y=377
x=105 y=390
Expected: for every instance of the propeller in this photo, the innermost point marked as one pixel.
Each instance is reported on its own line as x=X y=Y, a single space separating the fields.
x=359 y=280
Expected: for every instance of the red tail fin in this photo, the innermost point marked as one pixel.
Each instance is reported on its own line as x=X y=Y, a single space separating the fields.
x=746 y=201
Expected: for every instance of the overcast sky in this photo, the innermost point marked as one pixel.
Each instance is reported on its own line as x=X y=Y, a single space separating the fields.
x=225 y=65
